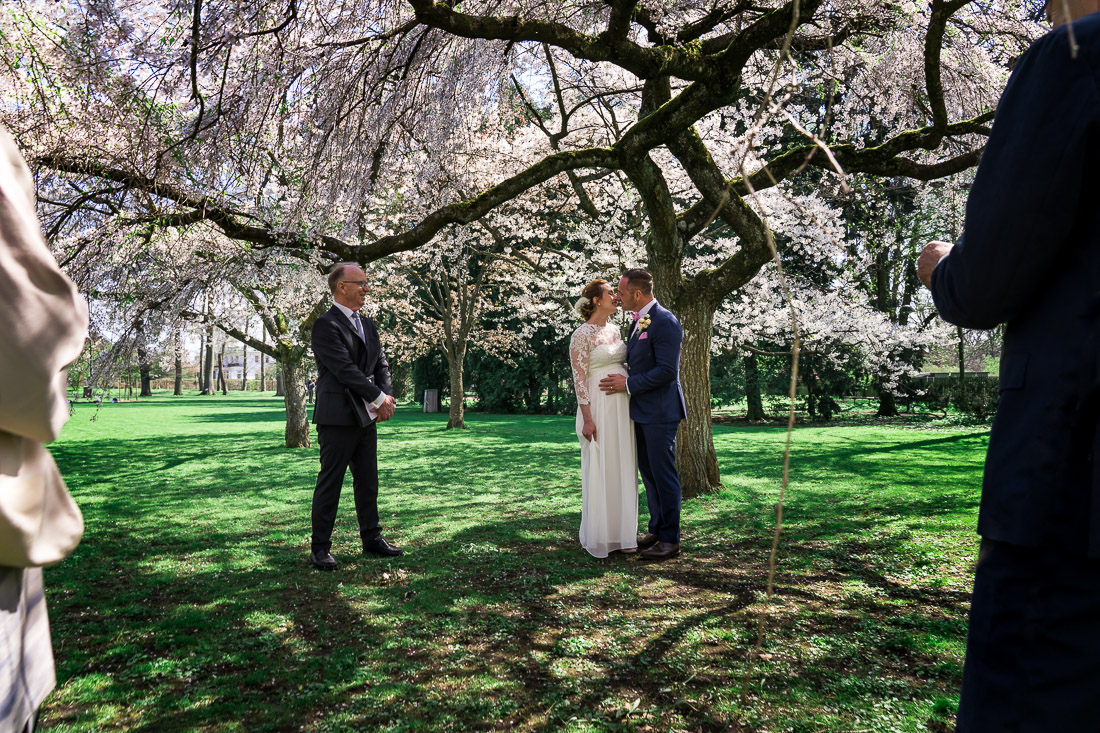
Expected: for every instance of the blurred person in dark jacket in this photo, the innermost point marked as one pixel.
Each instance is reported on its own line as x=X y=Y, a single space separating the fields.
x=1029 y=258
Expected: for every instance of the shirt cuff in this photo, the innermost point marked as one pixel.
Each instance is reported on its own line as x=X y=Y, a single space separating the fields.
x=379 y=400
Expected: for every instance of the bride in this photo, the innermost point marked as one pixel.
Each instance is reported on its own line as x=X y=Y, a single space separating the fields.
x=609 y=483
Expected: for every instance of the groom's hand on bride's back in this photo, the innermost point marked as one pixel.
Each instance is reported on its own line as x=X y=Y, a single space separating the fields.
x=613 y=383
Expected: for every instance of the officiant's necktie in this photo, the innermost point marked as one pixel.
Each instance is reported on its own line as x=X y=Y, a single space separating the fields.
x=358 y=324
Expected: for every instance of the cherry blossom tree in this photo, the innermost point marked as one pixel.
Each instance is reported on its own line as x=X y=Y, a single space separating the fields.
x=440 y=298
x=280 y=124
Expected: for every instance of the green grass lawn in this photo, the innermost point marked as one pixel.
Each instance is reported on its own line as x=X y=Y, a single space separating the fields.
x=190 y=604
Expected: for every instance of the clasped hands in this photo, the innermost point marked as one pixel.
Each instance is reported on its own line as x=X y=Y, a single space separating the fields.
x=386 y=409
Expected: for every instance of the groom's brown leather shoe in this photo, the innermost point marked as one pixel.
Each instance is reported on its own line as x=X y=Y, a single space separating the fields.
x=661 y=551
x=646 y=541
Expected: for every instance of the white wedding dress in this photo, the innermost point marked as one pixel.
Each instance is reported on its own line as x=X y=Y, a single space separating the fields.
x=609 y=464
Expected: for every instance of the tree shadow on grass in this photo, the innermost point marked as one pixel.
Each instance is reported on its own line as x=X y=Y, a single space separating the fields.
x=265 y=416
x=191 y=602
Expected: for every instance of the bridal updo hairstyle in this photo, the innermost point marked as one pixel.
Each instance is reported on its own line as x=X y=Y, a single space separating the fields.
x=592 y=290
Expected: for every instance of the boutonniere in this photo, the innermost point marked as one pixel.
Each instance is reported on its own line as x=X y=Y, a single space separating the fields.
x=644 y=323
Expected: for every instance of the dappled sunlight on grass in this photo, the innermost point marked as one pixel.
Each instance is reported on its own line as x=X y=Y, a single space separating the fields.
x=190 y=603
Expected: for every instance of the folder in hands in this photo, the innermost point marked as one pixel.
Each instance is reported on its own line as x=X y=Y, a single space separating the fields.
x=365 y=414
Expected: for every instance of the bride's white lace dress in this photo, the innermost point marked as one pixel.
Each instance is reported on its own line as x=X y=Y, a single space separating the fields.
x=609 y=474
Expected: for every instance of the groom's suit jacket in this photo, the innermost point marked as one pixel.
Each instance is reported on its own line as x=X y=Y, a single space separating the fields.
x=654 y=359
x=345 y=361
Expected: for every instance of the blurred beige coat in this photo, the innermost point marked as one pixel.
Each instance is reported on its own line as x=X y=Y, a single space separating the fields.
x=43 y=322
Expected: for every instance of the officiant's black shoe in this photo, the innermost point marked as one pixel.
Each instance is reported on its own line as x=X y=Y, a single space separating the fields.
x=646 y=541
x=322 y=560
x=378 y=546
x=661 y=551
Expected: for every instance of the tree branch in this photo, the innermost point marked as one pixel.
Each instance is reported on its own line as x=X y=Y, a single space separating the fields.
x=881 y=159
x=643 y=62
x=202 y=208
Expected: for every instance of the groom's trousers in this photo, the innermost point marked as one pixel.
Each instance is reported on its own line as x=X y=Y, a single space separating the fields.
x=656 y=444
x=343 y=446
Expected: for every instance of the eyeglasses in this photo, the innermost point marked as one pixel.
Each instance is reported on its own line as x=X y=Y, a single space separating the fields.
x=361 y=284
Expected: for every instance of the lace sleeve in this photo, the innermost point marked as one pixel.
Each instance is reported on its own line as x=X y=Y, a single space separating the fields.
x=578 y=357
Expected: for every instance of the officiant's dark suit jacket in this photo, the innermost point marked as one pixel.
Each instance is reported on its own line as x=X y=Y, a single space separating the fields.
x=344 y=360
x=1029 y=257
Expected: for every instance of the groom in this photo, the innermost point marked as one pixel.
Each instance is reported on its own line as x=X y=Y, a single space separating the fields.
x=656 y=407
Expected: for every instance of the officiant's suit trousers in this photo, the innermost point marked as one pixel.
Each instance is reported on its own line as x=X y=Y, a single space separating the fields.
x=344 y=446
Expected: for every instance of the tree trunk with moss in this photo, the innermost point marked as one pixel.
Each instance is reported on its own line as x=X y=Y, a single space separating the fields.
x=292 y=367
x=456 y=356
x=695 y=456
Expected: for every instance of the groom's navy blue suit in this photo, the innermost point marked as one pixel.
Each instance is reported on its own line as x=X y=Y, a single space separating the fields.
x=657 y=407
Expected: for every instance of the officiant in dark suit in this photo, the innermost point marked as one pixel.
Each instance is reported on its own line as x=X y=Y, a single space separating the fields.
x=353 y=394
x=1029 y=257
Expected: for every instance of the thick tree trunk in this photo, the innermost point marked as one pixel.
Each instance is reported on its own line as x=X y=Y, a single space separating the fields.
x=208 y=367
x=244 y=362
x=177 y=387
x=695 y=456
x=297 y=414
x=752 y=389
x=146 y=380
x=221 y=370
x=177 y=352
x=143 y=360
x=202 y=362
x=455 y=359
x=887 y=405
